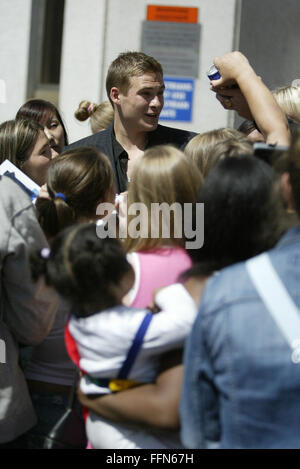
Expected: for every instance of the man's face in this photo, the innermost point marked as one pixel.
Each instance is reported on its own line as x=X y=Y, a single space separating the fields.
x=141 y=106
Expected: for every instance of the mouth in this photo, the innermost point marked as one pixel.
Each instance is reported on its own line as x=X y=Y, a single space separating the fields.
x=152 y=115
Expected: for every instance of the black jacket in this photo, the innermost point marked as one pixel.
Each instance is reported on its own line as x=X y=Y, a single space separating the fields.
x=105 y=141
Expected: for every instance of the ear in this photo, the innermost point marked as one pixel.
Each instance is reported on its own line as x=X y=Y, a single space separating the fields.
x=287 y=191
x=115 y=95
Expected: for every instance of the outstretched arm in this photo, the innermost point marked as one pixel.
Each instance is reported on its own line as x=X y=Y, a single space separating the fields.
x=235 y=68
x=154 y=405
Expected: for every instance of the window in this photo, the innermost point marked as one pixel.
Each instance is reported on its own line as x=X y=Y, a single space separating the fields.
x=47 y=18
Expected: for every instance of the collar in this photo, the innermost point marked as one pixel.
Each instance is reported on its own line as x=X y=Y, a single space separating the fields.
x=117 y=147
x=152 y=139
x=290 y=237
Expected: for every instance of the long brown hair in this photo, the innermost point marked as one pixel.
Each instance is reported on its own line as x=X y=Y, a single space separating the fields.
x=17 y=139
x=39 y=110
x=84 y=177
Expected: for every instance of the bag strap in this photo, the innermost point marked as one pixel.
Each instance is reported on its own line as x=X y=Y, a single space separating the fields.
x=276 y=299
x=113 y=384
x=135 y=347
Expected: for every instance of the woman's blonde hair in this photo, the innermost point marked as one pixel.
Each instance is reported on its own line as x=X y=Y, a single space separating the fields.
x=162 y=175
x=17 y=139
x=288 y=98
x=101 y=115
x=207 y=148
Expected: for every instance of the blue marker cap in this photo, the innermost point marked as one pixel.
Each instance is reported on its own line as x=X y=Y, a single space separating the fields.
x=213 y=73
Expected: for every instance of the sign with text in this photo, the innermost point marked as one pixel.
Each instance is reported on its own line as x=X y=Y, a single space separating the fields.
x=178 y=94
x=176 y=14
x=174 y=45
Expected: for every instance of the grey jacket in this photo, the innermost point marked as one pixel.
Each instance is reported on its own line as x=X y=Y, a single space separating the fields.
x=27 y=310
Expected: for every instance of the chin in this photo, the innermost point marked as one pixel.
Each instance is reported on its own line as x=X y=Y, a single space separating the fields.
x=150 y=127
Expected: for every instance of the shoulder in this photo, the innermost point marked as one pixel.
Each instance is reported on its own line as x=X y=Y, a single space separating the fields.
x=13 y=198
x=230 y=286
x=113 y=321
x=99 y=140
x=19 y=224
x=170 y=135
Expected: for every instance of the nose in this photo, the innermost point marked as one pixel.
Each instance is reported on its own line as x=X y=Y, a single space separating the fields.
x=155 y=102
x=53 y=153
x=49 y=136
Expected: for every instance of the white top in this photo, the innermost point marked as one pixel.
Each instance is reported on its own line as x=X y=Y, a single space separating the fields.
x=103 y=339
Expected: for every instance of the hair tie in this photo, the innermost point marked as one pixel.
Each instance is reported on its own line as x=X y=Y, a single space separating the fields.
x=45 y=253
x=91 y=108
x=60 y=195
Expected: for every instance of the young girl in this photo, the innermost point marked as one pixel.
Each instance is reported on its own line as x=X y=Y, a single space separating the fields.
x=78 y=180
x=93 y=275
x=163 y=176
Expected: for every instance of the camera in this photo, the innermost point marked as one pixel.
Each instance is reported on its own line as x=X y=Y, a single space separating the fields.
x=267 y=152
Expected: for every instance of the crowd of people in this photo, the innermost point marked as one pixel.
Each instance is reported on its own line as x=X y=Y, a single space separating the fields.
x=135 y=265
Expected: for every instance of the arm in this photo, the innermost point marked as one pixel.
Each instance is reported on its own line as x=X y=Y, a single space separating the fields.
x=238 y=102
x=154 y=405
x=234 y=67
x=28 y=309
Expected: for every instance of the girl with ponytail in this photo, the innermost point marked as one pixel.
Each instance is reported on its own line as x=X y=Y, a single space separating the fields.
x=78 y=180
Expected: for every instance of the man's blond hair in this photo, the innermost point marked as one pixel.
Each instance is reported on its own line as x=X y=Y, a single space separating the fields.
x=127 y=65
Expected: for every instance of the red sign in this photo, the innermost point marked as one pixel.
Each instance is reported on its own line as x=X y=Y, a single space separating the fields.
x=172 y=14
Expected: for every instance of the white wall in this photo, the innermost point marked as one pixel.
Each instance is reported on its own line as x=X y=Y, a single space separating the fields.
x=88 y=49
x=95 y=32
x=81 y=62
x=216 y=38
x=14 y=53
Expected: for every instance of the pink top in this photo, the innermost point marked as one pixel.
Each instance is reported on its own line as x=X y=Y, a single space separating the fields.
x=154 y=269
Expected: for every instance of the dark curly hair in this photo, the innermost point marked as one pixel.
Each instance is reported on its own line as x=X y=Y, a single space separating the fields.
x=82 y=268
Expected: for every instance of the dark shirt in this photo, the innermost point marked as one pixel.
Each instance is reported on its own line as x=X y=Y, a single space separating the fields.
x=106 y=142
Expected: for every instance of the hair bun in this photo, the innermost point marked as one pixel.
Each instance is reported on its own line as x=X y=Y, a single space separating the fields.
x=85 y=110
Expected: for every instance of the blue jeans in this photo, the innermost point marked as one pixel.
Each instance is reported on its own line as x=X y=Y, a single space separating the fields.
x=49 y=407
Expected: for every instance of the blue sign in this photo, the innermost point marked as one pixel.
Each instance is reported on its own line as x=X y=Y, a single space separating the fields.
x=178 y=99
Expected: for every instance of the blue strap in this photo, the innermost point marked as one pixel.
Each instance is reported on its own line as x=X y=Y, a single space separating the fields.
x=135 y=347
x=131 y=355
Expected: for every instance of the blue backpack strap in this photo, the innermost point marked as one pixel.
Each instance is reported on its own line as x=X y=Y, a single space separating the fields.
x=135 y=347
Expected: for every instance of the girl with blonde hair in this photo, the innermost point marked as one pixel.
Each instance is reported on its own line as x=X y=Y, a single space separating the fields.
x=163 y=175
x=207 y=148
x=100 y=115
x=288 y=98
